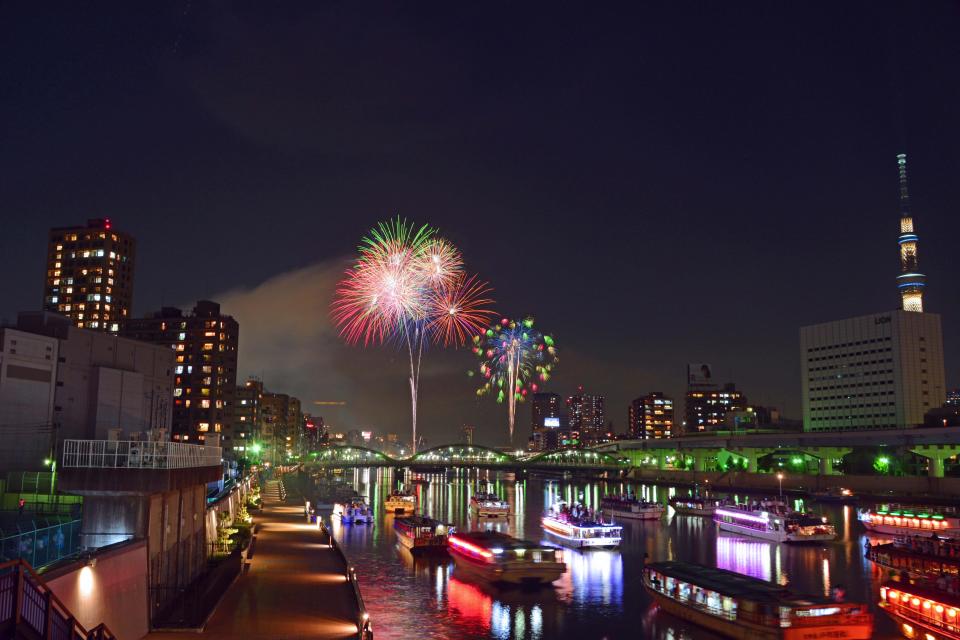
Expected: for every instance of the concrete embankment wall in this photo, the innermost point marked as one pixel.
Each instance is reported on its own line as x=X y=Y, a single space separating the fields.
x=899 y=486
x=110 y=588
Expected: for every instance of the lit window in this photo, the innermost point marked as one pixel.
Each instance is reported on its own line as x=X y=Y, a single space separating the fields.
x=205 y=404
x=203 y=426
x=177 y=392
x=182 y=336
x=208 y=346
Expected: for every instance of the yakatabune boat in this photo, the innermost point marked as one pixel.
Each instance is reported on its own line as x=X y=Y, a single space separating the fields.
x=401 y=502
x=421 y=534
x=496 y=557
x=738 y=606
x=902 y=520
x=921 y=612
x=489 y=505
x=631 y=508
x=927 y=558
x=573 y=527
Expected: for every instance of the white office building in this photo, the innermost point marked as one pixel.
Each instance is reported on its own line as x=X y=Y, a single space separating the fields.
x=881 y=371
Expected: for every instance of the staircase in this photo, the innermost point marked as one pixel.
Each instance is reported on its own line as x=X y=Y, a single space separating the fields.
x=30 y=611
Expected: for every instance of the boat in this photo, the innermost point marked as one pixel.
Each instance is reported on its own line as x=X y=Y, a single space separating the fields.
x=498 y=558
x=921 y=611
x=738 y=606
x=420 y=534
x=775 y=522
x=925 y=558
x=904 y=520
x=835 y=495
x=356 y=511
x=401 y=502
x=694 y=505
x=489 y=505
x=573 y=527
x=631 y=508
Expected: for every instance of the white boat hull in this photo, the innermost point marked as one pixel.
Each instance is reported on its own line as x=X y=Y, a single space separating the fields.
x=647 y=514
x=773 y=536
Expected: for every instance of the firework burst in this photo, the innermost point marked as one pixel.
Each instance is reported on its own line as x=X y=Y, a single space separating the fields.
x=514 y=359
x=408 y=285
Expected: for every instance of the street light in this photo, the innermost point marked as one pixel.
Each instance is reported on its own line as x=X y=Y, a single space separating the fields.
x=780 y=480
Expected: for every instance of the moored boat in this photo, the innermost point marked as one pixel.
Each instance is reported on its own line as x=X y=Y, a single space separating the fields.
x=923 y=557
x=356 y=511
x=578 y=527
x=836 y=495
x=496 y=557
x=489 y=505
x=903 y=520
x=694 y=505
x=921 y=611
x=631 y=508
x=773 y=522
x=401 y=502
x=738 y=606
x=420 y=534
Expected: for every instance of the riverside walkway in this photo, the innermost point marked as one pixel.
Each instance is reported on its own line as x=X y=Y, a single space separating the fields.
x=296 y=586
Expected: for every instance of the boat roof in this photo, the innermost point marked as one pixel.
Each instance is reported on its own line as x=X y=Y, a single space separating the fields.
x=495 y=539
x=418 y=521
x=733 y=584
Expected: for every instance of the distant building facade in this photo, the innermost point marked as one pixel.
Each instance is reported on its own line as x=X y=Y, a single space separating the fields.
x=205 y=346
x=879 y=371
x=89 y=275
x=651 y=417
x=707 y=402
x=247 y=417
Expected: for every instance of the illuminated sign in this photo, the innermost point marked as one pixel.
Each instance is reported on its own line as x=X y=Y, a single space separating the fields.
x=551 y=422
x=366 y=434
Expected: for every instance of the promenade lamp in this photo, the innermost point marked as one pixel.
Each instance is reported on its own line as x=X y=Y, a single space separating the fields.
x=780 y=481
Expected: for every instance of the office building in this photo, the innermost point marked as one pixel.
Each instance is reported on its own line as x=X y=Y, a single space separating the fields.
x=881 y=371
x=89 y=275
x=466 y=431
x=205 y=382
x=878 y=371
x=60 y=382
x=651 y=417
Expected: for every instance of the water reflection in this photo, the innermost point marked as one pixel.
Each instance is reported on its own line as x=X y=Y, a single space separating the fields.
x=601 y=594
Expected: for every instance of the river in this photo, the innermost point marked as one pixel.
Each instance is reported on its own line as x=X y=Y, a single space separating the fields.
x=600 y=596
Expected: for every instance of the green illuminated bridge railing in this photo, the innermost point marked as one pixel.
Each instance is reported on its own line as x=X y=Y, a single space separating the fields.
x=470 y=456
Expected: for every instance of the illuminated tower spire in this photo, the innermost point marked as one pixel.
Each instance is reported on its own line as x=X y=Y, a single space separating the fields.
x=910 y=282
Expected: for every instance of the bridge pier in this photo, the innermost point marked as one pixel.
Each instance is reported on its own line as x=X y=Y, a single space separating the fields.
x=935 y=454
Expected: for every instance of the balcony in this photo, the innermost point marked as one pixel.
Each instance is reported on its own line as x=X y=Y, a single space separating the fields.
x=133 y=454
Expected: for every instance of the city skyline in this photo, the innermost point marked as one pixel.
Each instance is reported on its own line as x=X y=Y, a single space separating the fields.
x=605 y=208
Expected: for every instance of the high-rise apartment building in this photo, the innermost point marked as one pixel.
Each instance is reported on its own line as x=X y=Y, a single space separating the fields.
x=546 y=411
x=707 y=406
x=247 y=417
x=879 y=371
x=585 y=413
x=205 y=372
x=90 y=275
x=651 y=416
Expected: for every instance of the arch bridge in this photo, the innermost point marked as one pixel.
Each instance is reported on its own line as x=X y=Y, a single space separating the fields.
x=462 y=455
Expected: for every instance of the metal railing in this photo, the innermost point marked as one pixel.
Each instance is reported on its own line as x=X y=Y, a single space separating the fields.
x=40 y=545
x=27 y=602
x=132 y=454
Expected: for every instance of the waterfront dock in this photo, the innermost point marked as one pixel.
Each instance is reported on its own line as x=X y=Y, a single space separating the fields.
x=296 y=585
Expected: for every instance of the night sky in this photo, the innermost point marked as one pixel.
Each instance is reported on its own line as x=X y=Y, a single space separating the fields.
x=683 y=183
